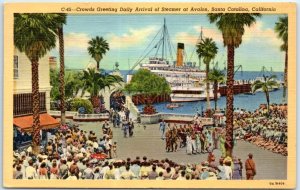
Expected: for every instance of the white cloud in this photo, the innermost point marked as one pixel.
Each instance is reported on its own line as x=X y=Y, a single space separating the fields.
x=254 y=34
x=215 y=34
x=257 y=34
x=189 y=38
x=76 y=40
x=132 y=38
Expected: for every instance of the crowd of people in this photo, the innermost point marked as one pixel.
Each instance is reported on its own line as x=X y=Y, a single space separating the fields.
x=265 y=129
x=74 y=154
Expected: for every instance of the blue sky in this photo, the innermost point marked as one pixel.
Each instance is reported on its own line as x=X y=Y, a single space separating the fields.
x=129 y=35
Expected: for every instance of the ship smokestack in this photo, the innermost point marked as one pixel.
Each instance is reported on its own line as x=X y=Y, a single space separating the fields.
x=180 y=50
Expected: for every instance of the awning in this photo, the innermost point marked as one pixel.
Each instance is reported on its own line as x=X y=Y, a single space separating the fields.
x=25 y=122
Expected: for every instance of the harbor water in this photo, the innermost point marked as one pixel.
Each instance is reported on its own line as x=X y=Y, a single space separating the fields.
x=241 y=101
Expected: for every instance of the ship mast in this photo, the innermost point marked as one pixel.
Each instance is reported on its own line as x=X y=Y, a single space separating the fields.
x=163 y=39
x=163 y=42
x=200 y=38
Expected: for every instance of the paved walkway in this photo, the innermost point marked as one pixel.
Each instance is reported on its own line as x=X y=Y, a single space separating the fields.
x=147 y=142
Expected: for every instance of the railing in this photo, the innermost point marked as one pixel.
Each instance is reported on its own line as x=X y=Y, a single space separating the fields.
x=130 y=105
x=91 y=116
x=185 y=117
x=77 y=116
x=68 y=113
x=175 y=118
x=23 y=103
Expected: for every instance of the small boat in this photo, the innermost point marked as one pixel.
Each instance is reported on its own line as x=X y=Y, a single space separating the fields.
x=249 y=93
x=173 y=105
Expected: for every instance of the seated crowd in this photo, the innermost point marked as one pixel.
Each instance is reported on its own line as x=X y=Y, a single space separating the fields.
x=268 y=131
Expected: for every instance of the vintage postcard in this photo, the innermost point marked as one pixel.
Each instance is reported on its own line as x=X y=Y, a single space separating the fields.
x=150 y=95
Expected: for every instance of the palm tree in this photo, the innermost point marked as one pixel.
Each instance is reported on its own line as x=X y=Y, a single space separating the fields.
x=34 y=36
x=61 y=20
x=216 y=76
x=207 y=49
x=94 y=82
x=232 y=27
x=73 y=83
x=97 y=48
x=281 y=27
x=266 y=85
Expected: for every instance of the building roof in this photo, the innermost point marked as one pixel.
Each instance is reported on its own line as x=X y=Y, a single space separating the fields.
x=25 y=122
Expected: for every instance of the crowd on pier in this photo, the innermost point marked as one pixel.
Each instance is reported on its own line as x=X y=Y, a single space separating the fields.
x=265 y=129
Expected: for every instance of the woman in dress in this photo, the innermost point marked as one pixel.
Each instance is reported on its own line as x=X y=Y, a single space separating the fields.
x=189 y=148
x=222 y=145
x=236 y=169
x=198 y=143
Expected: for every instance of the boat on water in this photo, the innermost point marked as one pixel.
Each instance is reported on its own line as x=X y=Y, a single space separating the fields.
x=185 y=78
x=173 y=105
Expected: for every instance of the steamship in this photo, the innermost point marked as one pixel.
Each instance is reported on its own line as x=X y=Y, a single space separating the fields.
x=185 y=78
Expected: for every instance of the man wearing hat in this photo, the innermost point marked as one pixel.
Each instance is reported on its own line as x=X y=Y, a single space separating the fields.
x=250 y=167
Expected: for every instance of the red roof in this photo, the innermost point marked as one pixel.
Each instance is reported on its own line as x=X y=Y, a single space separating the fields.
x=26 y=122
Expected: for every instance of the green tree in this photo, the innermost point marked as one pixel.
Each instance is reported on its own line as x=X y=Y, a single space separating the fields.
x=216 y=76
x=97 y=48
x=207 y=50
x=77 y=103
x=281 y=28
x=266 y=85
x=34 y=35
x=54 y=82
x=149 y=85
x=232 y=26
x=93 y=82
x=73 y=83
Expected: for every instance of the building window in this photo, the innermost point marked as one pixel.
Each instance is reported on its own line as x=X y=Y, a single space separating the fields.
x=16 y=67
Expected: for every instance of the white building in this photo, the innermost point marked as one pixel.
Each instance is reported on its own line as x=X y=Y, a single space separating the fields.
x=22 y=92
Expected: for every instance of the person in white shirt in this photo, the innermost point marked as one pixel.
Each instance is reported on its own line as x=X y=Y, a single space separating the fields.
x=221 y=169
x=182 y=175
x=108 y=145
x=104 y=169
x=72 y=177
x=95 y=145
x=128 y=174
x=117 y=172
x=30 y=171
x=228 y=171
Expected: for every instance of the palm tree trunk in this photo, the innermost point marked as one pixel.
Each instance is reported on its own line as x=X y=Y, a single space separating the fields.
x=207 y=88
x=98 y=65
x=285 y=76
x=215 y=94
x=62 y=75
x=229 y=100
x=95 y=100
x=35 y=107
x=268 y=101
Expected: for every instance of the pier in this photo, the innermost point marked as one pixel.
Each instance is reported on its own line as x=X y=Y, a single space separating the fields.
x=239 y=87
x=140 y=99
